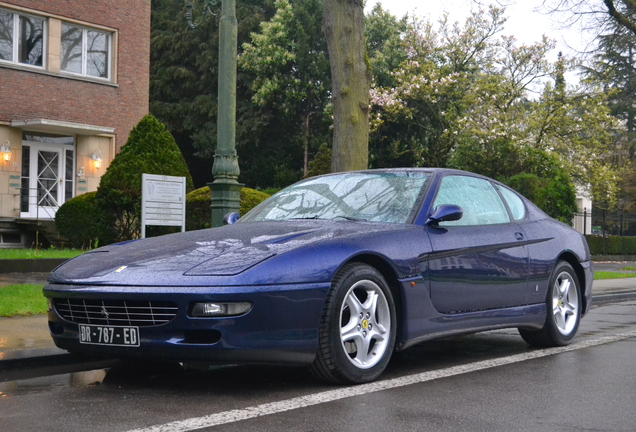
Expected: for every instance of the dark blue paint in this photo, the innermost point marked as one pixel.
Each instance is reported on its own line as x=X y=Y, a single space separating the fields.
x=449 y=280
x=486 y=269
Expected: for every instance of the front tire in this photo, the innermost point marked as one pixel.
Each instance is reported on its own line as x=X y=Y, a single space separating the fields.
x=563 y=303
x=357 y=331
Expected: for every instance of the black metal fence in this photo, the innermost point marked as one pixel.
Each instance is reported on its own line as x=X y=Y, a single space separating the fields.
x=604 y=223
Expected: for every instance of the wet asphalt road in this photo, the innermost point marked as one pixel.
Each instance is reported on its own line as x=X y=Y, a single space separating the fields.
x=586 y=388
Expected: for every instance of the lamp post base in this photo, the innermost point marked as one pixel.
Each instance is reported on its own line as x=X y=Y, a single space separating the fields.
x=226 y=198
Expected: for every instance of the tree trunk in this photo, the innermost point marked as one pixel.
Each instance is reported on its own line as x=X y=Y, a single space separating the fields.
x=343 y=25
x=306 y=139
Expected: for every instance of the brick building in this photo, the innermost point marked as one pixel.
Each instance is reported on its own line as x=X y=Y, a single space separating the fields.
x=74 y=79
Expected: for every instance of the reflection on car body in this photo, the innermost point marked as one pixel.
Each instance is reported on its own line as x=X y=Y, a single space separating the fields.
x=336 y=272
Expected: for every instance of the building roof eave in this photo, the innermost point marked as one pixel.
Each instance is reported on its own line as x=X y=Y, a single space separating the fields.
x=60 y=127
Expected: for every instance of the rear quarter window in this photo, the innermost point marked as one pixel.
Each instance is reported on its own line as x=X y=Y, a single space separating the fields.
x=515 y=203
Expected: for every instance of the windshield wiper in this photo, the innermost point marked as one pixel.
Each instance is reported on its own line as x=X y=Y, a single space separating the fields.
x=306 y=217
x=349 y=218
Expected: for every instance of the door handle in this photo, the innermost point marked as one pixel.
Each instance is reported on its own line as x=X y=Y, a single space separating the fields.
x=519 y=236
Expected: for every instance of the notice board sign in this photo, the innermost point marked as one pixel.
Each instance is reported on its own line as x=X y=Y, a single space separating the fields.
x=162 y=201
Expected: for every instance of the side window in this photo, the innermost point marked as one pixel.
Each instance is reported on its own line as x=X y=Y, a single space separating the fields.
x=85 y=51
x=477 y=197
x=515 y=203
x=21 y=38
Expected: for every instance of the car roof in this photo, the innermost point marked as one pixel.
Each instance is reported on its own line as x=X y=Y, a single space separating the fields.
x=431 y=170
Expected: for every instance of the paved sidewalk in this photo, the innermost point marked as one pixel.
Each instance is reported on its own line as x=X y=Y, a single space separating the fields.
x=22 y=278
x=25 y=337
x=26 y=340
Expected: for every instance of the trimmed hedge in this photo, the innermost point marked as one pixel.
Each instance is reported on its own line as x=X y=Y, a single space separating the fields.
x=76 y=220
x=198 y=213
x=611 y=245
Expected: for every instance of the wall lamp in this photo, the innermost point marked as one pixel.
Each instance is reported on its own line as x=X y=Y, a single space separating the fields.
x=6 y=151
x=97 y=160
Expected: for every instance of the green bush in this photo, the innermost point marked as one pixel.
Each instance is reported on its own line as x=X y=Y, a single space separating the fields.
x=611 y=245
x=271 y=191
x=75 y=220
x=198 y=214
x=321 y=164
x=554 y=195
x=535 y=173
x=250 y=198
x=150 y=149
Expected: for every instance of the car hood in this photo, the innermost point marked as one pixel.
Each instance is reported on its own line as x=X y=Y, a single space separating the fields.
x=218 y=252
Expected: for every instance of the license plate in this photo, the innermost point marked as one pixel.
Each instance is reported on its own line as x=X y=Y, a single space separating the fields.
x=109 y=335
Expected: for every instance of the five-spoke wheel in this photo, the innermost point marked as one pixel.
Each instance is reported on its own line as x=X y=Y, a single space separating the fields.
x=563 y=310
x=365 y=324
x=358 y=327
x=565 y=303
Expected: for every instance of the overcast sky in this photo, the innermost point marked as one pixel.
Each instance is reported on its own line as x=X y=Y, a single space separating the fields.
x=525 y=21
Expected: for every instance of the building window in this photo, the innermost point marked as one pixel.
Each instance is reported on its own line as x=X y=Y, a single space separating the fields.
x=26 y=170
x=85 y=51
x=21 y=38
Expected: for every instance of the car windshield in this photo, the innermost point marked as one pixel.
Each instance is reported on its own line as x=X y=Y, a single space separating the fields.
x=376 y=197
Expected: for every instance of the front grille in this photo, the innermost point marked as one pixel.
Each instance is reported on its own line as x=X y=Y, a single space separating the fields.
x=116 y=312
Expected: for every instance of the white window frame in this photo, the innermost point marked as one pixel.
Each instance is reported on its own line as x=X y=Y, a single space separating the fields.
x=85 y=30
x=16 y=39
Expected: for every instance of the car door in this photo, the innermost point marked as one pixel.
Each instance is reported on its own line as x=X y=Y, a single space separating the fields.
x=478 y=262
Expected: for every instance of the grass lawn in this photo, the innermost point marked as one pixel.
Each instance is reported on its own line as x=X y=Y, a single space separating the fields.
x=22 y=299
x=39 y=253
x=598 y=275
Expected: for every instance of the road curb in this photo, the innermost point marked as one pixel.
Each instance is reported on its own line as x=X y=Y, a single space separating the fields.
x=30 y=265
x=620 y=258
x=603 y=299
x=48 y=362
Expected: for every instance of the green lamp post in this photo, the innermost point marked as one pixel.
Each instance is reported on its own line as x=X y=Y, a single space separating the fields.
x=225 y=188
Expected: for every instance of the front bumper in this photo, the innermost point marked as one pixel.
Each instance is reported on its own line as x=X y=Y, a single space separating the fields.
x=588 y=271
x=281 y=327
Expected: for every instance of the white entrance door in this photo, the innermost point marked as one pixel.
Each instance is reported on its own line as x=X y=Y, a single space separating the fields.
x=46 y=185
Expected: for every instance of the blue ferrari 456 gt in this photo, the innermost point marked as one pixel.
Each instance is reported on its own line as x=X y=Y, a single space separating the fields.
x=335 y=272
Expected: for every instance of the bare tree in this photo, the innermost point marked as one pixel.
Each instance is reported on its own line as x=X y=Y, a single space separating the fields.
x=622 y=11
x=595 y=14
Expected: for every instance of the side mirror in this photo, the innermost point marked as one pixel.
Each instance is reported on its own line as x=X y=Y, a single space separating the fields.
x=445 y=213
x=230 y=218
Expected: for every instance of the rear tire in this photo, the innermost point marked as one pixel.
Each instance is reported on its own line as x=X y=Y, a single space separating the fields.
x=563 y=303
x=357 y=331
